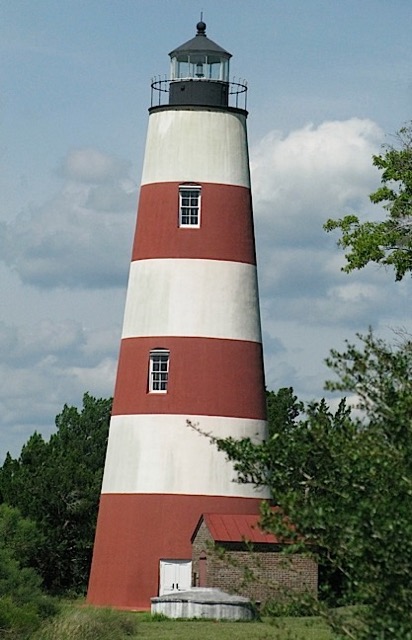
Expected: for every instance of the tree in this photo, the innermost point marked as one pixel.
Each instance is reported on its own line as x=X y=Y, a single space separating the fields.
x=388 y=242
x=345 y=482
x=57 y=485
x=19 y=535
x=283 y=408
x=23 y=605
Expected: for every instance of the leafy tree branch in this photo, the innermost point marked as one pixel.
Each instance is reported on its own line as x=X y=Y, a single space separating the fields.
x=387 y=242
x=345 y=482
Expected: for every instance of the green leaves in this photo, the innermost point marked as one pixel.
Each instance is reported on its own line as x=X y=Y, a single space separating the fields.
x=388 y=242
x=22 y=602
x=345 y=482
x=57 y=485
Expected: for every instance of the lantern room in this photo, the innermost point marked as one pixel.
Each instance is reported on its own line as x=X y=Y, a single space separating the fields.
x=199 y=72
x=200 y=59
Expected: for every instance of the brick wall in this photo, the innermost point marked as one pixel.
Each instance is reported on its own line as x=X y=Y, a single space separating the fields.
x=261 y=574
x=202 y=544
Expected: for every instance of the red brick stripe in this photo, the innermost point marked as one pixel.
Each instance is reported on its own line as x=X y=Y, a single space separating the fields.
x=226 y=231
x=207 y=376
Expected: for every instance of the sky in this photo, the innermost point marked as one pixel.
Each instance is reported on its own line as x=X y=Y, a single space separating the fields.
x=330 y=82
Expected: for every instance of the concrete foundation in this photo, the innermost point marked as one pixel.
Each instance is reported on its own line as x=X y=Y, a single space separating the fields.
x=201 y=602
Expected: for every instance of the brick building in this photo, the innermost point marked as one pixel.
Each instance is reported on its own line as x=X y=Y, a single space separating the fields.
x=232 y=553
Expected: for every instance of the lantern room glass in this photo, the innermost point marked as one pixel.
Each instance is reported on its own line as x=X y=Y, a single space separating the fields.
x=200 y=66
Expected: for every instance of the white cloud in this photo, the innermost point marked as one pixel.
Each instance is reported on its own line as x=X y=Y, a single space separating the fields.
x=81 y=237
x=93 y=166
x=65 y=345
x=356 y=292
x=311 y=174
x=29 y=343
x=47 y=364
x=299 y=180
x=100 y=377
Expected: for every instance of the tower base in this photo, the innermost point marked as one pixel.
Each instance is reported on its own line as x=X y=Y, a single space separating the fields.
x=137 y=531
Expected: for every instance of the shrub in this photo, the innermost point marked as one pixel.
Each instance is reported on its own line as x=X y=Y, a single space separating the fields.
x=17 y=622
x=89 y=623
x=302 y=606
x=23 y=606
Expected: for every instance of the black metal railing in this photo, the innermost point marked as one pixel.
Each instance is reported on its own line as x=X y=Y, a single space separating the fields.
x=160 y=88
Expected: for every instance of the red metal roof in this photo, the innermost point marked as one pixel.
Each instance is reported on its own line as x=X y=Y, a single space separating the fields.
x=236 y=528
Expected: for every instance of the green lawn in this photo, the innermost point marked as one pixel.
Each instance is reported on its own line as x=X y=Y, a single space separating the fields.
x=282 y=629
x=79 y=622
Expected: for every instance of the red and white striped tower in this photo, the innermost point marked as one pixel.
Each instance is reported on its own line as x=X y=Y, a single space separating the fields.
x=191 y=342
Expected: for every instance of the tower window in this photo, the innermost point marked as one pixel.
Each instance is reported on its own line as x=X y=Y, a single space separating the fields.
x=189 y=206
x=158 y=370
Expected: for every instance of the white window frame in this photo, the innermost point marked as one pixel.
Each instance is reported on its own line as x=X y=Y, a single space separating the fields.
x=185 y=209
x=158 y=375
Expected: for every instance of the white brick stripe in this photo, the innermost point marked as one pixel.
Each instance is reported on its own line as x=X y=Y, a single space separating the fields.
x=161 y=454
x=196 y=145
x=191 y=297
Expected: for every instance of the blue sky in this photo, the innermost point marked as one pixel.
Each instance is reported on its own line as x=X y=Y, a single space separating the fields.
x=329 y=82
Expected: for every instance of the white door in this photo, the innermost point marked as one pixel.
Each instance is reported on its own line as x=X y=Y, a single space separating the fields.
x=175 y=575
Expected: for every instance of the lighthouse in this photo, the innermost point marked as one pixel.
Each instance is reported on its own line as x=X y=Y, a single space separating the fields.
x=191 y=350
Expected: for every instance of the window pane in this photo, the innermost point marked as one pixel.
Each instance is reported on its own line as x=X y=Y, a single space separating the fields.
x=158 y=371
x=189 y=207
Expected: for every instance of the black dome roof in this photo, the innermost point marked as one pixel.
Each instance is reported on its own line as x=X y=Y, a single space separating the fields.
x=200 y=43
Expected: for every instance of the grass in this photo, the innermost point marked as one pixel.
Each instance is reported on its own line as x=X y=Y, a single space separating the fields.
x=88 y=623
x=281 y=629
